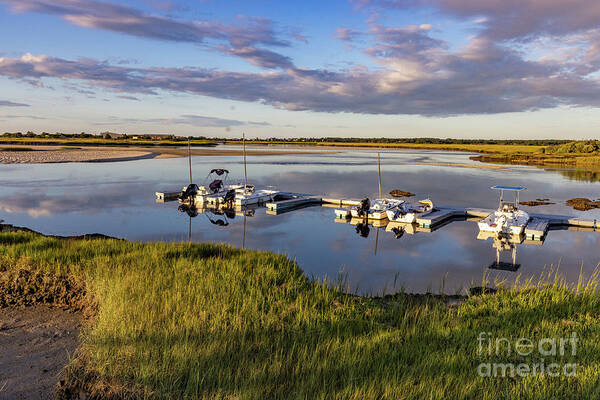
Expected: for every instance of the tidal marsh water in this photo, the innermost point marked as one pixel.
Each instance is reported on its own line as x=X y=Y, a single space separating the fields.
x=117 y=199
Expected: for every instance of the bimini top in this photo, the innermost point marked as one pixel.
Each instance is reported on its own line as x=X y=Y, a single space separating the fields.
x=514 y=188
x=219 y=171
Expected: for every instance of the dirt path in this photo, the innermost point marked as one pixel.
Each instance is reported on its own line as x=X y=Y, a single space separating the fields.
x=35 y=345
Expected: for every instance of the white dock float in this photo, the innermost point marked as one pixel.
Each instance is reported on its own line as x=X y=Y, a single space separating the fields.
x=340 y=202
x=439 y=216
x=289 y=204
x=342 y=213
x=162 y=197
x=537 y=228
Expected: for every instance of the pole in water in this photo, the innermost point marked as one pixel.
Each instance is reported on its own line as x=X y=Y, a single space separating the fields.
x=379 y=172
x=244 y=233
x=245 y=171
x=190 y=157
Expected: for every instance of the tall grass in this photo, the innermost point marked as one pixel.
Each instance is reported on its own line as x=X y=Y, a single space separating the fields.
x=205 y=321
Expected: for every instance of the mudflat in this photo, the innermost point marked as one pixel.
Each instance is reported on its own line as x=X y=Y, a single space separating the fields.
x=54 y=154
x=36 y=343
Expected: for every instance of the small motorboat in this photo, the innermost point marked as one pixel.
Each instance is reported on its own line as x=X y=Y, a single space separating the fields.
x=216 y=190
x=508 y=219
x=247 y=195
x=370 y=210
x=377 y=209
x=409 y=212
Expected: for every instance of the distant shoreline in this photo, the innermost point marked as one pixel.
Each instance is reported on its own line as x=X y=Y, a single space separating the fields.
x=56 y=154
x=115 y=151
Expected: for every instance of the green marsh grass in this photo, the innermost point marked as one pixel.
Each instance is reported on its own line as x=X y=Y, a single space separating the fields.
x=205 y=321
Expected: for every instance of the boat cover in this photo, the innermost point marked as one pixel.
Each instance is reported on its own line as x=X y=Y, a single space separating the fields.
x=216 y=185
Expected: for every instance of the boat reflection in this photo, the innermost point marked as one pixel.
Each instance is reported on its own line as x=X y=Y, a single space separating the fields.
x=216 y=212
x=503 y=243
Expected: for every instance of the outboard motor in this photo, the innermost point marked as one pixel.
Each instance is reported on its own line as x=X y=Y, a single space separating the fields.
x=189 y=210
x=363 y=229
x=363 y=209
x=229 y=213
x=190 y=191
x=398 y=232
x=229 y=196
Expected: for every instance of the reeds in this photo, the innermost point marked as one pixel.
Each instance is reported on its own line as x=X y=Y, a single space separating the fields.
x=204 y=321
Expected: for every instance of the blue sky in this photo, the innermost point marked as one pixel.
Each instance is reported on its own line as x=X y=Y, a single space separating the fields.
x=394 y=68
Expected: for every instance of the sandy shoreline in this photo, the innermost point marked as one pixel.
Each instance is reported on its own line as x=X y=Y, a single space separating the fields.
x=36 y=344
x=56 y=154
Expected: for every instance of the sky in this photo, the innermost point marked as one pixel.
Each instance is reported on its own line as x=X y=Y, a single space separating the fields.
x=503 y=69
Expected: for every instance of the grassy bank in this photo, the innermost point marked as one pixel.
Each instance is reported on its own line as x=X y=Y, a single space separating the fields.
x=590 y=161
x=211 y=321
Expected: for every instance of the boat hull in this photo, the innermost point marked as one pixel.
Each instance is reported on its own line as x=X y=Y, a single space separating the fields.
x=377 y=211
x=371 y=214
x=407 y=218
x=508 y=223
x=261 y=196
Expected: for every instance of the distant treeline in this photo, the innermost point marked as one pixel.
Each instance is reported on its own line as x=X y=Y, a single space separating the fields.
x=536 y=142
x=559 y=146
x=103 y=135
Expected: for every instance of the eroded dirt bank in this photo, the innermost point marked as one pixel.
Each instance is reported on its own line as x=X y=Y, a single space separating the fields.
x=36 y=344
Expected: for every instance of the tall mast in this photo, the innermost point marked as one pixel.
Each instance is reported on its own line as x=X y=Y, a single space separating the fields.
x=379 y=170
x=245 y=171
x=190 y=157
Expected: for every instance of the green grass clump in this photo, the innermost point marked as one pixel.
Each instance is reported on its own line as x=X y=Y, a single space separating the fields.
x=204 y=321
x=576 y=147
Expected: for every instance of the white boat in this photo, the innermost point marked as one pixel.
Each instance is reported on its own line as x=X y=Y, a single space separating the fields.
x=408 y=212
x=245 y=194
x=248 y=195
x=212 y=193
x=508 y=219
x=377 y=209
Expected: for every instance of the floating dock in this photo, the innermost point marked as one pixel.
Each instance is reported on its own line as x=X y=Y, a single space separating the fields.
x=536 y=229
x=162 y=197
x=439 y=216
x=288 y=201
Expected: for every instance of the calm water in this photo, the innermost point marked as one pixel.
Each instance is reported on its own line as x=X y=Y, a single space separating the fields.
x=117 y=199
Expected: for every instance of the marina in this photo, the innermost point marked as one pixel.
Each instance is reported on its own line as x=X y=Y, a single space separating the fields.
x=535 y=229
x=301 y=221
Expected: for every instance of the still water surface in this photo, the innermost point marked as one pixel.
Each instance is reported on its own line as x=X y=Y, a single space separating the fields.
x=117 y=199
